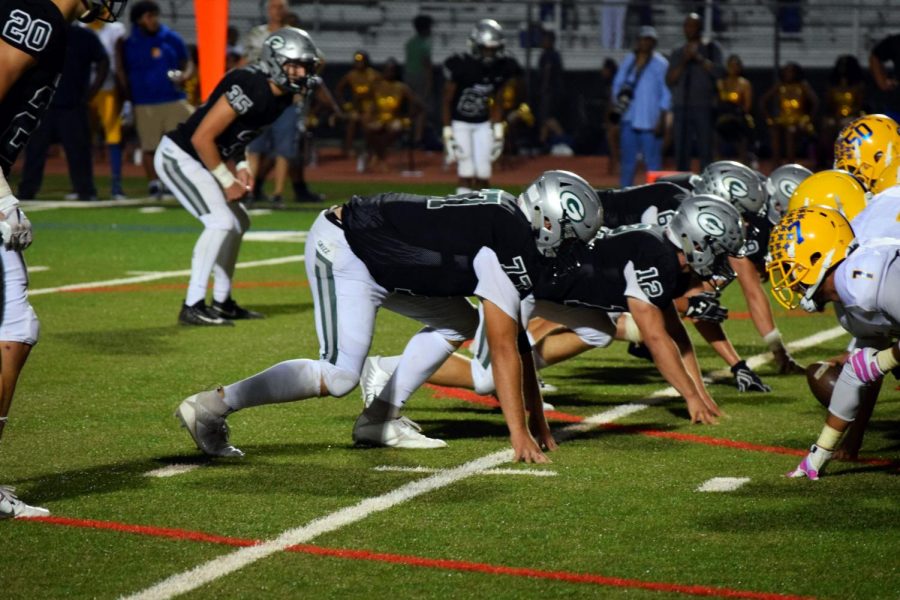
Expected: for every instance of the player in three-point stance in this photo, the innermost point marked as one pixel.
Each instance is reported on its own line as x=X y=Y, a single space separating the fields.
x=193 y=162
x=421 y=257
x=32 y=50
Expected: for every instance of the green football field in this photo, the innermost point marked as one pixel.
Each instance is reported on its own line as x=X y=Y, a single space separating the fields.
x=138 y=512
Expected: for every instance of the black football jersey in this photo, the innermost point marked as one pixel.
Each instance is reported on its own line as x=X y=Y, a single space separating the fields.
x=425 y=245
x=476 y=83
x=37 y=28
x=599 y=280
x=653 y=204
x=682 y=179
x=248 y=93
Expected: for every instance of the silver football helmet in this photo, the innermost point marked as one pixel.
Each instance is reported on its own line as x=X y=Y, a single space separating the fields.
x=102 y=10
x=734 y=182
x=486 y=41
x=708 y=230
x=561 y=205
x=780 y=186
x=290 y=45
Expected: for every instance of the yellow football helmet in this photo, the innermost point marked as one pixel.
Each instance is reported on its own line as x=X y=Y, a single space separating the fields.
x=888 y=178
x=803 y=247
x=866 y=146
x=834 y=188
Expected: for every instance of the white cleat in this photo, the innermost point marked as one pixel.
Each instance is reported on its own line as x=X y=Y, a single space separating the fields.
x=394 y=433
x=13 y=508
x=372 y=380
x=208 y=428
x=547 y=388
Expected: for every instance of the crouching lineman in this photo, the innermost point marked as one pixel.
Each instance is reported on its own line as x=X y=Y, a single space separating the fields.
x=641 y=269
x=815 y=260
x=192 y=163
x=421 y=257
x=32 y=51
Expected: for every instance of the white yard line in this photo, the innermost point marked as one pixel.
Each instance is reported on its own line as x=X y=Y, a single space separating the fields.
x=40 y=205
x=184 y=582
x=159 y=275
x=169 y=471
x=723 y=484
x=529 y=472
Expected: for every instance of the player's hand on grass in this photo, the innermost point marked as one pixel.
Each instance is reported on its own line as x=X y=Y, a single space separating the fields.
x=539 y=428
x=526 y=450
x=700 y=412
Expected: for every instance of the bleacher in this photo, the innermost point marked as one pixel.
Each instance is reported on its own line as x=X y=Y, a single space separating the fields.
x=829 y=27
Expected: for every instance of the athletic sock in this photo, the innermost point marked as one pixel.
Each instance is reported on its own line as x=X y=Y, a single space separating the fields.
x=206 y=250
x=423 y=355
x=287 y=381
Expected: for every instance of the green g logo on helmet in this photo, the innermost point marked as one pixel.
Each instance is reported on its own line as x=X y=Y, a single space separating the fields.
x=276 y=42
x=572 y=206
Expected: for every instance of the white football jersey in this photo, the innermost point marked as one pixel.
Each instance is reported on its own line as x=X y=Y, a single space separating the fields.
x=868 y=283
x=881 y=218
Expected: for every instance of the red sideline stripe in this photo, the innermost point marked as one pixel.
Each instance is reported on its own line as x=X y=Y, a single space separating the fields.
x=419 y=561
x=470 y=396
x=165 y=532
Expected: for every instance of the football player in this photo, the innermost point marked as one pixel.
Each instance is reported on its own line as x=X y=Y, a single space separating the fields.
x=406 y=253
x=866 y=148
x=473 y=121
x=32 y=50
x=655 y=204
x=640 y=269
x=814 y=259
x=193 y=162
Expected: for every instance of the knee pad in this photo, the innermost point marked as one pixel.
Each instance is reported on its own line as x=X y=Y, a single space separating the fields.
x=482 y=378
x=625 y=323
x=339 y=382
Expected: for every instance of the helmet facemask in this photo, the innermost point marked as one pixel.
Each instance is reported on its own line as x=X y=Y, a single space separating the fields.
x=102 y=10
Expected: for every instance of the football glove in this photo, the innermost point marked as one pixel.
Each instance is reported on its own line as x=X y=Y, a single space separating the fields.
x=747 y=380
x=497 y=143
x=15 y=230
x=451 y=148
x=706 y=307
x=865 y=364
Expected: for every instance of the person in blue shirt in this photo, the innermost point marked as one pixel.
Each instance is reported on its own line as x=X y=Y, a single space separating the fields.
x=641 y=99
x=153 y=64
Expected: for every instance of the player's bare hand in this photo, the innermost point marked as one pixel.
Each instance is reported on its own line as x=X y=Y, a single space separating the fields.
x=700 y=412
x=245 y=178
x=235 y=191
x=526 y=450
x=539 y=428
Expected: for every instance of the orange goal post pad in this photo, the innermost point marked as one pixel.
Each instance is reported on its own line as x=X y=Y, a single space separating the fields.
x=211 y=17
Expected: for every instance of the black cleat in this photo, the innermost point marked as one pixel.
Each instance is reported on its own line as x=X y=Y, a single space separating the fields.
x=231 y=310
x=199 y=314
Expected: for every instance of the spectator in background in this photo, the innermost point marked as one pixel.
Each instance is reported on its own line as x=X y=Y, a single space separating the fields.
x=887 y=51
x=358 y=81
x=844 y=100
x=153 y=63
x=551 y=88
x=276 y=11
x=607 y=76
x=66 y=119
x=612 y=24
x=107 y=103
x=280 y=140
x=792 y=123
x=734 y=116
x=642 y=100
x=419 y=73
x=693 y=71
x=391 y=112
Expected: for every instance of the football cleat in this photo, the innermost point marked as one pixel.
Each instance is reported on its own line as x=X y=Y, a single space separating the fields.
x=13 y=508
x=812 y=464
x=200 y=314
x=372 y=380
x=393 y=433
x=232 y=311
x=201 y=416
